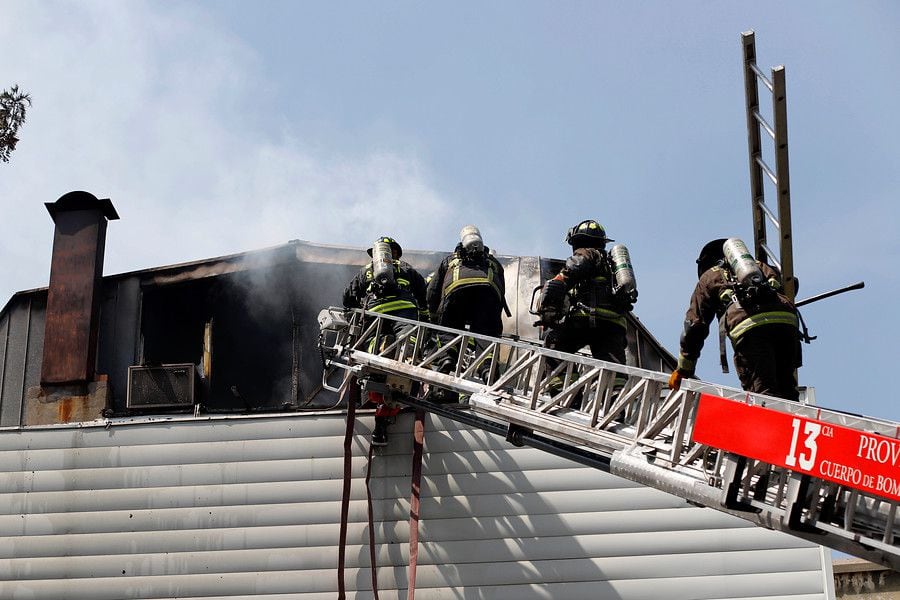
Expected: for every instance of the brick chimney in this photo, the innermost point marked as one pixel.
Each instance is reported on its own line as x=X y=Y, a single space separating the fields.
x=73 y=300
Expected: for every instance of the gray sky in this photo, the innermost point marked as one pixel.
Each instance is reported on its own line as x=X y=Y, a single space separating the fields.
x=221 y=127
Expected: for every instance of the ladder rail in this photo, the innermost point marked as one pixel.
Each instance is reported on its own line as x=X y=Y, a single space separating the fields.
x=752 y=75
x=527 y=353
x=783 y=185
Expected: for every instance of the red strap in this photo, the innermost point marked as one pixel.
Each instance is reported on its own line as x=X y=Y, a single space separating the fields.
x=372 y=562
x=418 y=444
x=352 y=398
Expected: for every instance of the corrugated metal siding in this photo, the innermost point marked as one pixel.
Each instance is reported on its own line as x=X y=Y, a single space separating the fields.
x=249 y=508
x=4 y=345
x=37 y=313
x=14 y=365
x=23 y=346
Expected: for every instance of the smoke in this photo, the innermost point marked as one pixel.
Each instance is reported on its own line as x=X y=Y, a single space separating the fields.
x=154 y=107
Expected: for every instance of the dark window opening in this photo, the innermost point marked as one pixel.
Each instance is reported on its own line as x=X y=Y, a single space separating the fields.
x=238 y=330
x=252 y=343
x=172 y=322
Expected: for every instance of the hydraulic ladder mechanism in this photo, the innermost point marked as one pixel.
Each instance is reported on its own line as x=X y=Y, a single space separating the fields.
x=825 y=476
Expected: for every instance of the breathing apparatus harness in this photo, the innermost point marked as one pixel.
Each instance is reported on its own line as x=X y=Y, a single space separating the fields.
x=749 y=294
x=478 y=256
x=556 y=304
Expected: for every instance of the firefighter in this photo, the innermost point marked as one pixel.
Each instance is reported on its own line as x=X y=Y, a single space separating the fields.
x=746 y=297
x=584 y=305
x=390 y=286
x=468 y=291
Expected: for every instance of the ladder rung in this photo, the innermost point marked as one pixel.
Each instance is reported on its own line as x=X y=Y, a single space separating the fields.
x=762 y=77
x=769 y=213
x=765 y=125
x=771 y=256
x=762 y=164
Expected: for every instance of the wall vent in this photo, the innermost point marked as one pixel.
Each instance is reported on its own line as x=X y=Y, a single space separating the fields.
x=161 y=386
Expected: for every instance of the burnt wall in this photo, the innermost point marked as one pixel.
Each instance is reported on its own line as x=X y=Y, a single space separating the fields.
x=261 y=311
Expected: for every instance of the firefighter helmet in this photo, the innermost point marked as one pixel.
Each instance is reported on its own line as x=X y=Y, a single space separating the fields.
x=587 y=234
x=711 y=255
x=395 y=247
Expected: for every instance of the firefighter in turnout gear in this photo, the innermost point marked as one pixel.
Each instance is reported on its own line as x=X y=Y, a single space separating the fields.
x=585 y=304
x=391 y=286
x=746 y=297
x=468 y=291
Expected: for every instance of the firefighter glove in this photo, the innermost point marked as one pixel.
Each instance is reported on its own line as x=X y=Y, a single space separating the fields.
x=552 y=296
x=551 y=306
x=624 y=300
x=684 y=370
x=675 y=380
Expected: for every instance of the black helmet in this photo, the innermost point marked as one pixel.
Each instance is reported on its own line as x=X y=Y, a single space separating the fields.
x=587 y=234
x=396 y=250
x=711 y=255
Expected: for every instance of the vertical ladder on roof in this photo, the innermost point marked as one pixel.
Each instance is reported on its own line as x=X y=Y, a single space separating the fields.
x=780 y=219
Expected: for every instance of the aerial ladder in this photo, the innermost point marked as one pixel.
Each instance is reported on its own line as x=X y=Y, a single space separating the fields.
x=827 y=476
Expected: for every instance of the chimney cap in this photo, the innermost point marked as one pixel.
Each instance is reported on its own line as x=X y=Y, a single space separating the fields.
x=82 y=201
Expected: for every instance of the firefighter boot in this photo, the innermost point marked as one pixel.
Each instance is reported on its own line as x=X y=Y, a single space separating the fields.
x=554 y=386
x=379 y=433
x=446 y=364
x=484 y=371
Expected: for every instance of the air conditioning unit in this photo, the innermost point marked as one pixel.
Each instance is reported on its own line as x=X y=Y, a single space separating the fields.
x=161 y=386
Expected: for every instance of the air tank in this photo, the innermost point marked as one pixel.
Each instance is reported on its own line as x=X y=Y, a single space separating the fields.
x=623 y=272
x=741 y=262
x=470 y=238
x=382 y=264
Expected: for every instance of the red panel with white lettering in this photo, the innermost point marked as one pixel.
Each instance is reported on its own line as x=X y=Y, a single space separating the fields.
x=856 y=459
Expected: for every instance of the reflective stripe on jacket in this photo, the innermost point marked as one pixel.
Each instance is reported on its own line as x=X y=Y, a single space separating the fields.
x=457 y=272
x=407 y=293
x=462 y=273
x=775 y=317
x=588 y=278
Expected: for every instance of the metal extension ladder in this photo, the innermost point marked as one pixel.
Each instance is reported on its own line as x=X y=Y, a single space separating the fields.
x=642 y=431
x=779 y=176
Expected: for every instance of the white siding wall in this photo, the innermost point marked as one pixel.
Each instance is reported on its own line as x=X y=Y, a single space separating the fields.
x=249 y=508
